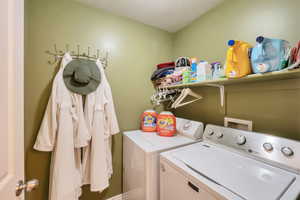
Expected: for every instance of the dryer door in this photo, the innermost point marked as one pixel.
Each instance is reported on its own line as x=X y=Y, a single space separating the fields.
x=175 y=186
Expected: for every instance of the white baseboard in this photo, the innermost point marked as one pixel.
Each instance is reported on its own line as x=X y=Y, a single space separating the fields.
x=118 y=197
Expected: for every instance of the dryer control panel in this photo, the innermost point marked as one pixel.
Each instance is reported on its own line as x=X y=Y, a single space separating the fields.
x=279 y=150
x=189 y=128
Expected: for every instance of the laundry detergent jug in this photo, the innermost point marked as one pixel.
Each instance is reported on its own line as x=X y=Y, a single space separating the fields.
x=237 y=59
x=270 y=55
x=148 y=122
x=166 y=124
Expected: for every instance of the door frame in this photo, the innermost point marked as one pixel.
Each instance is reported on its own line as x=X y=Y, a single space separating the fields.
x=14 y=34
x=19 y=81
x=17 y=71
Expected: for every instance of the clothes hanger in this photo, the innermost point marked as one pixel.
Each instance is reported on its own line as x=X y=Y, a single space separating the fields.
x=186 y=92
x=180 y=97
x=166 y=95
x=173 y=99
x=182 y=93
x=159 y=96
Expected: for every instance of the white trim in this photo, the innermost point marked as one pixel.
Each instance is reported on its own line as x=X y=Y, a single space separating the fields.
x=118 y=197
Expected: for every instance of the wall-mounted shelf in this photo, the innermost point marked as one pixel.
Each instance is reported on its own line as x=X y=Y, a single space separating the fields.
x=220 y=83
x=279 y=75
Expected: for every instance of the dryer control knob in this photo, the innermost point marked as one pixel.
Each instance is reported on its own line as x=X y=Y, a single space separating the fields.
x=187 y=125
x=241 y=140
x=287 y=151
x=268 y=146
x=219 y=135
x=210 y=132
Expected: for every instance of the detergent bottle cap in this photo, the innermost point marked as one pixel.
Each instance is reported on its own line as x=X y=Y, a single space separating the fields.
x=149 y=111
x=166 y=113
x=231 y=42
x=260 y=39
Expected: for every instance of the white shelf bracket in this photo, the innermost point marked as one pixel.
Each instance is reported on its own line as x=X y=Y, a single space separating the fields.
x=222 y=92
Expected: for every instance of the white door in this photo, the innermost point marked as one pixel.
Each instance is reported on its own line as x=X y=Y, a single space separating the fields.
x=11 y=98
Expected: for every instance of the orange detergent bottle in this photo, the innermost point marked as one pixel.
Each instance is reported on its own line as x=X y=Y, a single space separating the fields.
x=166 y=124
x=148 y=122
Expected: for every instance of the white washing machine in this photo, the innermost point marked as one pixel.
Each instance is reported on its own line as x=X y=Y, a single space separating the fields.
x=141 y=157
x=234 y=165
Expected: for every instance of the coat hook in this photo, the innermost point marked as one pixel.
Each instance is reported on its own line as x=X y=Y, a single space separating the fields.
x=54 y=58
x=54 y=61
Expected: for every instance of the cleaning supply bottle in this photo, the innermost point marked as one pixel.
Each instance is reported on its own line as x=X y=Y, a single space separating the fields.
x=218 y=70
x=166 y=124
x=186 y=75
x=204 y=71
x=149 y=120
x=193 y=70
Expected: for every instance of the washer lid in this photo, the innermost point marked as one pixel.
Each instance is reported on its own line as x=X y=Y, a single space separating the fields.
x=245 y=177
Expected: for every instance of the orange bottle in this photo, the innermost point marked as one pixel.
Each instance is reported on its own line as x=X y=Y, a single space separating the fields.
x=166 y=124
x=148 y=122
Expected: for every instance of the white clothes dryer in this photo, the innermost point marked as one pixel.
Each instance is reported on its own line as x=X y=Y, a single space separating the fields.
x=141 y=157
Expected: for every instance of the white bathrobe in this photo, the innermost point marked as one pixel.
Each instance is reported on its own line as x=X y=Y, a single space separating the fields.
x=64 y=131
x=102 y=122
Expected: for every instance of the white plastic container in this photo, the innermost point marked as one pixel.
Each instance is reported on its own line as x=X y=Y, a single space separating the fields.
x=204 y=71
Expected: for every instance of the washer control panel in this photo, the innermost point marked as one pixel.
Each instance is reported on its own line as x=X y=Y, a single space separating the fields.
x=276 y=149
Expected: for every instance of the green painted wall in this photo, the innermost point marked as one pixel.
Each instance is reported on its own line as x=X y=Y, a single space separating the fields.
x=135 y=49
x=273 y=106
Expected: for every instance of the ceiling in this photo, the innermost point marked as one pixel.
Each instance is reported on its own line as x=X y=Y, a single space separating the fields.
x=169 y=15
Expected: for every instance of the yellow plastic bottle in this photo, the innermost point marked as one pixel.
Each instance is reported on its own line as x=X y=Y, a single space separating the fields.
x=237 y=61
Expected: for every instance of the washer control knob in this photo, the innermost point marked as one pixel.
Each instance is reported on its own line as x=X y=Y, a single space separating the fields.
x=268 y=146
x=219 y=135
x=287 y=151
x=210 y=132
x=241 y=140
